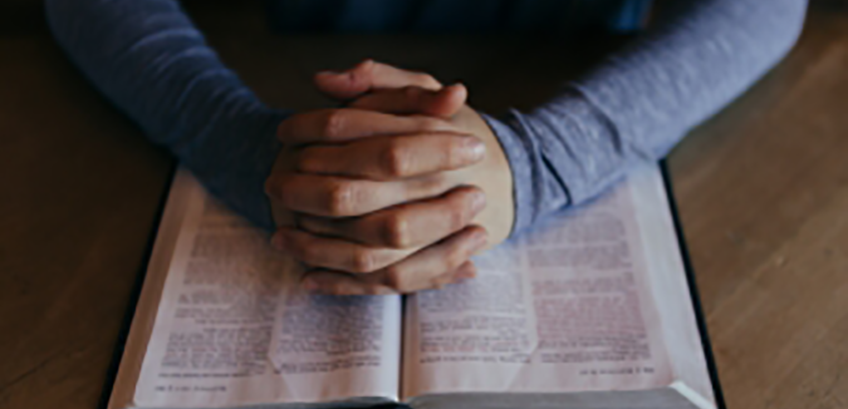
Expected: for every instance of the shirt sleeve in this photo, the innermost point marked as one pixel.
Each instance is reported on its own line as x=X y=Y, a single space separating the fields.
x=638 y=103
x=147 y=57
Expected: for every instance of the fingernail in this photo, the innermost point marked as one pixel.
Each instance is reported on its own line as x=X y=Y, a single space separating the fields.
x=278 y=242
x=474 y=148
x=478 y=201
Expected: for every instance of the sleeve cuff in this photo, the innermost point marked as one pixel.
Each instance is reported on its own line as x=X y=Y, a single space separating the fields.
x=516 y=148
x=234 y=167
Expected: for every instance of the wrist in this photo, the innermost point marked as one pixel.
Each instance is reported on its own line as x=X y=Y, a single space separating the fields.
x=515 y=150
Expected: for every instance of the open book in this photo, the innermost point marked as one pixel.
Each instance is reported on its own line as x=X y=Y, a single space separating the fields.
x=592 y=310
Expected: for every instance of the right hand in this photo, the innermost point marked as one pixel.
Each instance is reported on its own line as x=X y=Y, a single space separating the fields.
x=402 y=161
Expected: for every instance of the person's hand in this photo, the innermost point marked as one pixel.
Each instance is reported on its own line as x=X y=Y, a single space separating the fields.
x=366 y=167
x=492 y=174
x=418 y=225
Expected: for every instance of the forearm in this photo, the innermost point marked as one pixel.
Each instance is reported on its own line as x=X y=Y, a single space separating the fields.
x=149 y=59
x=637 y=104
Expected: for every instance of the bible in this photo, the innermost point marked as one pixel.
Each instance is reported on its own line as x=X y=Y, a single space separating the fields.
x=593 y=309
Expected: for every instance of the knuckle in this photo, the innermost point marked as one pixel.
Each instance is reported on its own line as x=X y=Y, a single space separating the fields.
x=334 y=122
x=394 y=278
x=340 y=198
x=395 y=160
x=363 y=261
x=396 y=232
x=427 y=81
x=362 y=74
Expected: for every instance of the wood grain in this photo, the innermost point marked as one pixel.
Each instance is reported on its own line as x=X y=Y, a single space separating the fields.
x=762 y=190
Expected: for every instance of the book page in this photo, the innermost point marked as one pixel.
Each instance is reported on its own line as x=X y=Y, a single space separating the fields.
x=671 y=292
x=230 y=306
x=148 y=302
x=567 y=307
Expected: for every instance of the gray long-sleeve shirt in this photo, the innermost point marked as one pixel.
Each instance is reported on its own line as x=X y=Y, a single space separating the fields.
x=149 y=59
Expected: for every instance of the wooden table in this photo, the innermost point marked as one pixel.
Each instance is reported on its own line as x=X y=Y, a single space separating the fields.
x=762 y=190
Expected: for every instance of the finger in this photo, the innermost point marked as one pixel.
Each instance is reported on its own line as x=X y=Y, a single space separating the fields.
x=335 y=254
x=338 y=283
x=332 y=196
x=345 y=124
x=407 y=225
x=426 y=268
x=466 y=271
x=335 y=283
x=421 y=269
x=369 y=76
x=415 y=100
x=393 y=157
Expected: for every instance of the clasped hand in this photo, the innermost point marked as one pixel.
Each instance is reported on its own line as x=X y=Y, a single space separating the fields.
x=392 y=193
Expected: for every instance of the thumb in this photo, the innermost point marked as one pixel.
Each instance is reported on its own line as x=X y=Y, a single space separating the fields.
x=370 y=76
x=444 y=103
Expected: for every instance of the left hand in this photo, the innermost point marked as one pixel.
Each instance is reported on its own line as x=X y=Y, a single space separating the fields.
x=397 y=91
